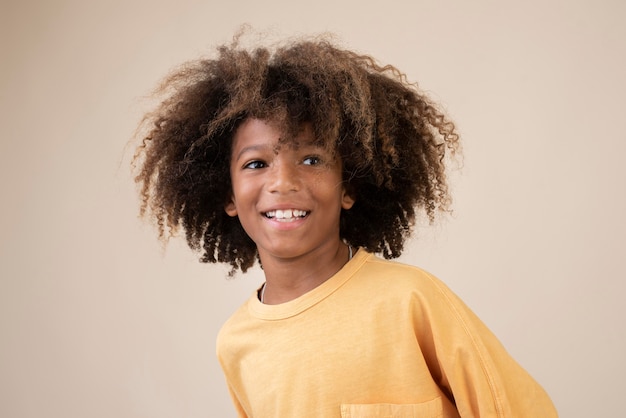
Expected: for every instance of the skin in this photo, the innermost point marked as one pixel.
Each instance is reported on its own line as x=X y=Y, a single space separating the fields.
x=304 y=181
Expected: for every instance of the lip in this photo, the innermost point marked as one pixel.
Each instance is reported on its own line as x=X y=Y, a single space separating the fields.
x=285 y=206
x=289 y=222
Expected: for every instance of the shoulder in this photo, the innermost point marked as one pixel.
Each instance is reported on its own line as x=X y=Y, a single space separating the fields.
x=400 y=277
x=409 y=287
x=235 y=325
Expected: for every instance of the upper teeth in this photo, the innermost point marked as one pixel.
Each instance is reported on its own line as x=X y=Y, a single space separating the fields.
x=286 y=214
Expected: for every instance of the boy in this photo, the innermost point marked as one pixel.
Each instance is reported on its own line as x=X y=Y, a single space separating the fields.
x=310 y=159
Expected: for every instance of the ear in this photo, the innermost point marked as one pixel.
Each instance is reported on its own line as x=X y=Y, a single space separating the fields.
x=347 y=199
x=231 y=207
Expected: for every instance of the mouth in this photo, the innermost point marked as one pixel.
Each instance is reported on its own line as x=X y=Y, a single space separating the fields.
x=286 y=215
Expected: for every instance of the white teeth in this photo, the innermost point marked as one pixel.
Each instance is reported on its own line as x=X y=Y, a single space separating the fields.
x=286 y=214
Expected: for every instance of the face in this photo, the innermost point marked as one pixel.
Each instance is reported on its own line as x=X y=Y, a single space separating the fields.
x=288 y=198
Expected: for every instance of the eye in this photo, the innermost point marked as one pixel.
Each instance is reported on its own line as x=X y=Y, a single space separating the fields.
x=312 y=160
x=253 y=165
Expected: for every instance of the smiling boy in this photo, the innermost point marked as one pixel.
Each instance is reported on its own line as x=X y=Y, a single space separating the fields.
x=288 y=198
x=311 y=159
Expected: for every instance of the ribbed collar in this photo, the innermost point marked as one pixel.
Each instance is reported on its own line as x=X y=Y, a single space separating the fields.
x=311 y=298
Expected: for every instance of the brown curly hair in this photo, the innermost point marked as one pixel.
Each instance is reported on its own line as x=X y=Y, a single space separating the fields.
x=390 y=137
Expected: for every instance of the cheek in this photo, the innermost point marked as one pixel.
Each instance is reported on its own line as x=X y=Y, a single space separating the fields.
x=244 y=191
x=331 y=190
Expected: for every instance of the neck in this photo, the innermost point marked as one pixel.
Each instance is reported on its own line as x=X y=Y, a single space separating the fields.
x=287 y=279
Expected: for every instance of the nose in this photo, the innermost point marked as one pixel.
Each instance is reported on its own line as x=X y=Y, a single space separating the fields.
x=284 y=177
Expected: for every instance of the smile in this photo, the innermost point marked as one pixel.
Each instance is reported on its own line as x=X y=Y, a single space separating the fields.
x=286 y=215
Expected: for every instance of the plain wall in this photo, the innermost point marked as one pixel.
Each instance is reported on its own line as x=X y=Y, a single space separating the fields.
x=97 y=319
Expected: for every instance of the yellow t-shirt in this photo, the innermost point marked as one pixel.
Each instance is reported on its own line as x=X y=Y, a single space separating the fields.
x=378 y=339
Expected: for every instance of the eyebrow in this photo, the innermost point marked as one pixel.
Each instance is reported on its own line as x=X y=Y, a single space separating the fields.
x=256 y=147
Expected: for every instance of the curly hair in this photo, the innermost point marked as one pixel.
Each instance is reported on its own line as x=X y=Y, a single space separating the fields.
x=391 y=138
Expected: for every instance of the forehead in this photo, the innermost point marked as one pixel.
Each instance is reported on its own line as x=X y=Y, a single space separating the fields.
x=262 y=133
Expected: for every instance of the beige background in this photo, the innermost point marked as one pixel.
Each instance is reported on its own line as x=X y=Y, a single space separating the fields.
x=97 y=320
